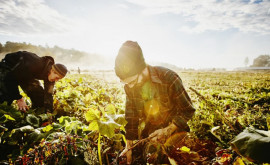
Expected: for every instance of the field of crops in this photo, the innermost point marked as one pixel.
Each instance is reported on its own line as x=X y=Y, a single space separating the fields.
x=87 y=125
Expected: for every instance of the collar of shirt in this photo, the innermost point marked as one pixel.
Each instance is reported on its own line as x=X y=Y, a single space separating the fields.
x=153 y=75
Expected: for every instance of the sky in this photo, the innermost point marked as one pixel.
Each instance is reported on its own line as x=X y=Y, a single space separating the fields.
x=185 y=33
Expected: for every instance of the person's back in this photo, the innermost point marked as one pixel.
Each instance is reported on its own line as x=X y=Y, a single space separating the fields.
x=25 y=69
x=26 y=66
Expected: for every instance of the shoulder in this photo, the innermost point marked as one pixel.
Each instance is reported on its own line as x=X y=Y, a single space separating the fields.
x=14 y=57
x=16 y=54
x=25 y=55
x=165 y=74
x=48 y=59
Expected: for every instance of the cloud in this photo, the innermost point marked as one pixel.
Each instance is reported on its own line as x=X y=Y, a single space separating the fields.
x=24 y=17
x=123 y=6
x=246 y=16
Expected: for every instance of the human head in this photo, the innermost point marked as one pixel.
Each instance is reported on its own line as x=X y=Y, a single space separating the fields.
x=57 y=72
x=129 y=61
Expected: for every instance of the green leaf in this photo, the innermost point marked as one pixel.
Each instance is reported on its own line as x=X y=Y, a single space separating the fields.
x=86 y=129
x=75 y=126
x=27 y=129
x=56 y=126
x=9 y=117
x=35 y=136
x=33 y=120
x=107 y=128
x=67 y=127
x=44 y=117
x=268 y=122
x=54 y=134
x=213 y=131
x=110 y=109
x=47 y=128
x=63 y=119
x=172 y=161
x=80 y=80
x=14 y=113
x=120 y=119
x=91 y=115
x=94 y=126
x=5 y=118
x=185 y=149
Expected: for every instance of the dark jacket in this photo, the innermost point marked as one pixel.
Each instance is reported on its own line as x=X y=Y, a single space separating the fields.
x=26 y=67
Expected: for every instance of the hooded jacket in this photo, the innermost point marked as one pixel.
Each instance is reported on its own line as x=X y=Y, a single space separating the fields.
x=26 y=67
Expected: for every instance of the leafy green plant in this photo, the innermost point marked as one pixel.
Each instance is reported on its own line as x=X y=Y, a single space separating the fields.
x=87 y=124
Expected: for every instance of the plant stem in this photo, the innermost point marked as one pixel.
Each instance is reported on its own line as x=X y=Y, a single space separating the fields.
x=99 y=150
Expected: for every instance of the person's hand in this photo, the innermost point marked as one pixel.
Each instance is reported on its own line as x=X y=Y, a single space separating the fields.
x=127 y=152
x=160 y=135
x=22 y=105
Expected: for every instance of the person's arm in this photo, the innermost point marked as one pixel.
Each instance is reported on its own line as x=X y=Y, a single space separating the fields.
x=183 y=108
x=13 y=91
x=127 y=151
x=48 y=96
x=132 y=118
x=160 y=135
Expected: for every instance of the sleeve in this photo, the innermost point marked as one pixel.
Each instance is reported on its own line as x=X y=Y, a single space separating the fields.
x=183 y=108
x=48 y=95
x=131 y=117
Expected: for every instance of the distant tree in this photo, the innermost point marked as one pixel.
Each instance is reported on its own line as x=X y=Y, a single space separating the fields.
x=9 y=46
x=1 y=47
x=262 y=61
x=246 y=61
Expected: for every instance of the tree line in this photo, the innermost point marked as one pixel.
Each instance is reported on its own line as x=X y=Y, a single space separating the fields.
x=261 y=61
x=80 y=58
x=68 y=56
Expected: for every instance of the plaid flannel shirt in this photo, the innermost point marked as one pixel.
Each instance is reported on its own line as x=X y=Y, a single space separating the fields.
x=174 y=104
